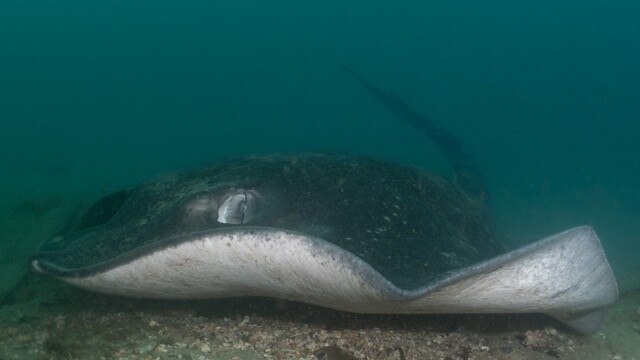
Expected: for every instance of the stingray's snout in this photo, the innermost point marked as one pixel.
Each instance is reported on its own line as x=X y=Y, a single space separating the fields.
x=240 y=207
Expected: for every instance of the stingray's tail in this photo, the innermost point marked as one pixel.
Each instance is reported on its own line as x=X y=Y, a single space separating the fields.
x=468 y=175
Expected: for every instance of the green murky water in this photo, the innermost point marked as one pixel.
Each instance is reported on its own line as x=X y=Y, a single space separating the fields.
x=96 y=96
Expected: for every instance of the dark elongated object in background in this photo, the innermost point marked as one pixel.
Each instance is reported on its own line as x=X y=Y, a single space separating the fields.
x=468 y=174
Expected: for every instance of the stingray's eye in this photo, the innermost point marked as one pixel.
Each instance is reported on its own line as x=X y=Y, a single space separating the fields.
x=201 y=203
x=240 y=207
x=204 y=195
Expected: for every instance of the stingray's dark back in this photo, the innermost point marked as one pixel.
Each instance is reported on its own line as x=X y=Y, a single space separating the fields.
x=410 y=226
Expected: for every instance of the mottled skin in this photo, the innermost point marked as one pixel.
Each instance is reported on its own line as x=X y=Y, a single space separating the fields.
x=410 y=226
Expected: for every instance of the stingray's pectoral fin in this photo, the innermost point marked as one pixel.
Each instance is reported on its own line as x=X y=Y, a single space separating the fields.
x=584 y=323
x=566 y=276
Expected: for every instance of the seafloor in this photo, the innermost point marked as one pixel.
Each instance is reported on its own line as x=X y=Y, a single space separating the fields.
x=42 y=318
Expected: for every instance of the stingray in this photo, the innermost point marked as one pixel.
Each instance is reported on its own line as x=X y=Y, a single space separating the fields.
x=347 y=232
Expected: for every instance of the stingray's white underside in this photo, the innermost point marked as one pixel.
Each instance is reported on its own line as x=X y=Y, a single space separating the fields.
x=566 y=276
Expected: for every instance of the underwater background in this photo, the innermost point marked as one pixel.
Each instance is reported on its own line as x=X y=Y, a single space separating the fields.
x=100 y=95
